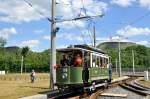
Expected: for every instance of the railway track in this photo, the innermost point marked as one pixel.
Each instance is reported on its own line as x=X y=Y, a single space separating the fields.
x=79 y=92
x=128 y=84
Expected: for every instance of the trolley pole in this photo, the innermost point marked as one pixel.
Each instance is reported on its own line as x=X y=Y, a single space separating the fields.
x=53 y=45
x=119 y=60
x=133 y=62
x=94 y=36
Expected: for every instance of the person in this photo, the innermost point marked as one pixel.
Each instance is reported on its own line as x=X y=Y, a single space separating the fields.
x=110 y=72
x=32 y=76
x=78 y=60
x=64 y=61
x=70 y=60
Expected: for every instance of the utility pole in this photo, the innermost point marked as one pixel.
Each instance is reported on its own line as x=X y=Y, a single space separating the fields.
x=133 y=62
x=94 y=36
x=116 y=65
x=119 y=59
x=21 y=64
x=53 y=45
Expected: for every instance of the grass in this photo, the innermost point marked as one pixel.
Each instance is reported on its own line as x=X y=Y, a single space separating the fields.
x=15 y=85
x=145 y=83
x=19 y=88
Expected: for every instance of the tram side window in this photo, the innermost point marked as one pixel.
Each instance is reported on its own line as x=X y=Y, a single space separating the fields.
x=97 y=61
x=87 y=59
x=94 y=61
x=105 y=62
x=101 y=62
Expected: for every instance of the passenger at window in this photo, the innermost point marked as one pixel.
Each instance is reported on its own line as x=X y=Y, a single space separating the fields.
x=70 y=60
x=78 y=60
x=64 y=61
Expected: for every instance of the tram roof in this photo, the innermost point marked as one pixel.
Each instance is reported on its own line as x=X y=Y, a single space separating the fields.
x=81 y=47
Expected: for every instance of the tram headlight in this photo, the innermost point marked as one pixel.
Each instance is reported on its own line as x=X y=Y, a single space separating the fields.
x=64 y=75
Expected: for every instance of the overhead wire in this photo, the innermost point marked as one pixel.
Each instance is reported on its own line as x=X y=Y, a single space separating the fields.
x=73 y=22
x=89 y=25
x=130 y=23
x=90 y=31
x=81 y=30
x=39 y=12
x=136 y=20
x=140 y=18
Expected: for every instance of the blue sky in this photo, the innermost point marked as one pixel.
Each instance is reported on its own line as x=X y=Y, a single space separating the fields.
x=22 y=25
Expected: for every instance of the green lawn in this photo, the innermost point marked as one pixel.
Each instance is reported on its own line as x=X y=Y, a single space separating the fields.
x=12 y=88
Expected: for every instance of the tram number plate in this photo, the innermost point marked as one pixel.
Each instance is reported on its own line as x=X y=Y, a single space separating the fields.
x=64 y=70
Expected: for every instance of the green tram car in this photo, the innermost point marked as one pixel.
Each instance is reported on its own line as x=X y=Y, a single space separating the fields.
x=94 y=69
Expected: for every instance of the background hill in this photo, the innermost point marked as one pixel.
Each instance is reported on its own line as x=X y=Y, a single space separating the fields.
x=110 y=45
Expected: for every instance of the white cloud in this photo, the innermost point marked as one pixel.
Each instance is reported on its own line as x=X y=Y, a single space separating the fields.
x=145 y=3
x=130 y=31
x=37 y=31
x=17 y=11
x=62 y=46
x=70 y=37
x=74 y=8
x=123 y=3
x=30 y=43
x=6 y=32
x=143 y=43
x=84 y=35
x=46 y=37
x=70 y=24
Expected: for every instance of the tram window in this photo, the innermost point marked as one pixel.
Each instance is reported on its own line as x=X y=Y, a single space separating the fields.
x=105 y=62
x=97 y=61
x=78 y=60
x=87 y=59
x=101 y=62
x=94 y=61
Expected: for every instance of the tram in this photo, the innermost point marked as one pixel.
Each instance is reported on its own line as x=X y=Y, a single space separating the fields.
x=82 y=65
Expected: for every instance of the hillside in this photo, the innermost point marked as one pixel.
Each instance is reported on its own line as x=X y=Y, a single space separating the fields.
x=109 y=45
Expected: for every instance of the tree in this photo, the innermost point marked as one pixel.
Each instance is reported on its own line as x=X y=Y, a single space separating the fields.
x=2 y=42
x=23 y=54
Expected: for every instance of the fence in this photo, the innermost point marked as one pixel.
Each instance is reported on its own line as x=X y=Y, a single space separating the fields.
x=126 y=71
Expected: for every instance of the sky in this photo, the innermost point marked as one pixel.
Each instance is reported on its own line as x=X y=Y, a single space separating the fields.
x=25 y=25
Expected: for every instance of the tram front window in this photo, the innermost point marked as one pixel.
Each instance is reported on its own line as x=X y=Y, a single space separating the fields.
x=64 y=61
x=78 y=60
